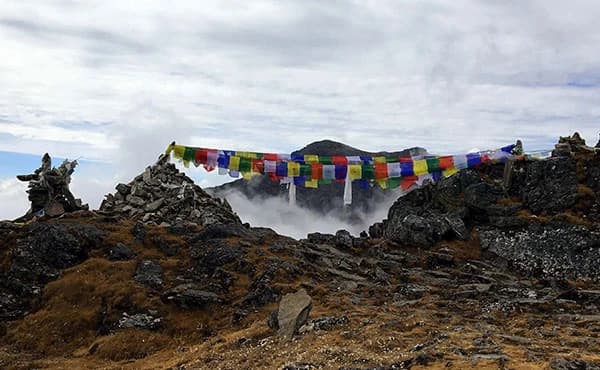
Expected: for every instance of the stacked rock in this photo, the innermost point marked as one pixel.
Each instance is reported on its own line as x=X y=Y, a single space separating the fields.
x=164 y=196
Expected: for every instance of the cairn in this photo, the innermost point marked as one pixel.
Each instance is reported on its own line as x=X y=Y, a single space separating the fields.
x=164 y=196
x=49 y=191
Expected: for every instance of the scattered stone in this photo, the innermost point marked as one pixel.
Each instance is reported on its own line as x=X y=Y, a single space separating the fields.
x=293 y=313
x=139 y=321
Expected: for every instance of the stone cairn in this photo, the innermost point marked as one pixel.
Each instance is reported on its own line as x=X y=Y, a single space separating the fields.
x=49 y=191
x=164 y=196
x=568 y=145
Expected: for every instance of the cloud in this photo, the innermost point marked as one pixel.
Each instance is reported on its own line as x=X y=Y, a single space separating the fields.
x=117 y=82
x=297 y=221
x=13 y=199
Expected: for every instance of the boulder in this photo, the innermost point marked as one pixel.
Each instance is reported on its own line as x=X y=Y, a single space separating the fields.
x=293 y=313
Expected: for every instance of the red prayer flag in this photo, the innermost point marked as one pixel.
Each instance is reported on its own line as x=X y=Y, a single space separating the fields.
x=316 y=171
x=408 y=181
x=446 y=162
x=258 y=166
x=270 y=156
x=340 y=160
x=200 y=156
x=381 y=171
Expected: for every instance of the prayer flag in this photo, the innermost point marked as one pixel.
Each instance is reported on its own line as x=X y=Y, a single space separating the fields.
x=282 y=169
x=245 y=165
x=473 y=159
x=460 y=162
x=339 y=160
x=381 y=171
x=270 y=166
x=353 y=159
x=407 y=169
x=449 y=171
x=313 y=184
x=393 y=182
x=325 y=159
x=341 y=171
x=316 y=171
x=328 y=171
x=393 y=169
x=258 y=166
x=446 y=162
x=234 y=163
x=200 y=157
x=293 y=169
x=355 y=171
x=433 y=164
x=311 y=158
x=379 y=160
x=420 y=167
x=270 y=156
x=368 y=172
x=305 y=170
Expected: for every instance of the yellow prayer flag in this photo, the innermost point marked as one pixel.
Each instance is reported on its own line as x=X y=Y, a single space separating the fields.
x=293 y=169
x=382 y=183
x=379 y=160
x=311 y=158
x=246 y=155
x=178 y=151
x=234 y=163
x=449 y=171
x=249 y=175
x=311 y=184
x=420 y=167
x=355 y=171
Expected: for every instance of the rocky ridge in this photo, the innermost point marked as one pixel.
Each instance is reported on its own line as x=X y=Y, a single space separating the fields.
x=473 y=272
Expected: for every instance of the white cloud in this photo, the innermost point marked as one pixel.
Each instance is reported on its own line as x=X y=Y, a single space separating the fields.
x=117 y=81
x=272 y=75
x=13 y=199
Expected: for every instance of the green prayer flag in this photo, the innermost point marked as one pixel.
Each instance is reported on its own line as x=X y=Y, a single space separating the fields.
x=368 y=172
x=433 y=165
x=325 y=181
x=189 y=154
x=394 y=182
x=306 y=170
x=245 y=164
x=325 y=159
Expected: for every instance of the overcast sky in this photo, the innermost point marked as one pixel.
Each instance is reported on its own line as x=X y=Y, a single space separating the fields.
x=113 y=82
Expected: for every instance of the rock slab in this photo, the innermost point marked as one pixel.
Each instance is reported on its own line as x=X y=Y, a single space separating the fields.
x=293 y=313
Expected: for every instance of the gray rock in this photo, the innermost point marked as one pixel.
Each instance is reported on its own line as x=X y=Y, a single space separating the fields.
x=149 y=273
x=344 y=239
x=151 y=207
x=565 y=251
x=123 y=189
x=186 y=295
x=293 y=313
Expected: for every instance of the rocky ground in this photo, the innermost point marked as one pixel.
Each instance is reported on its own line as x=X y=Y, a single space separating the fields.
x=473 y=272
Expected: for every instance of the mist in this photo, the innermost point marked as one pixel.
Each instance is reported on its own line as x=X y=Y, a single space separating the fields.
x=296 y=221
